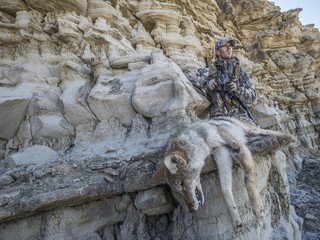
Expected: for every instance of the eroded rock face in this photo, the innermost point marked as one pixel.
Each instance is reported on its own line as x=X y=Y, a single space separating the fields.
x=99 y=86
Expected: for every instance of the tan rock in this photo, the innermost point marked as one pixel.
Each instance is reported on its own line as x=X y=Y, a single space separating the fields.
x=104 y=9
x=79 y=6
x=13 y=6
x=310 y=43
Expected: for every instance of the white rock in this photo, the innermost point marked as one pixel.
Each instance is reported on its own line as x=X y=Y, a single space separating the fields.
x=163 y=87
x=111 y=97
x=73 y=102
x=50 y=127
x=122 y=62
x=36 y=154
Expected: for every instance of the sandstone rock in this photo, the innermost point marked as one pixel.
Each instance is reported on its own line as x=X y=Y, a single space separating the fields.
x=139 y=128
x=141 y=39
x=140 y=174
x=99 y=8
x=34 y=155
x=73 y=100
x=122 y=62
x=12 y=112
x=310 y=43
x=137 y=176
x=103 y=211
x=79 y=6
x=28 y=83
x=265 y=115
x=154 y=202
x=45 y=103
x=8 y=196
x=14 y=6
x=103 y=33
x=166 y=89
x=111 y=97
x=29 y=228
x=110 y=131
x=5 y=180
x=153 y=92
x=50 y=127
x=172 y=30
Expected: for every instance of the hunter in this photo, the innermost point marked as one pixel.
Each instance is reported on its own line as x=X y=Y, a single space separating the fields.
x=226 y=84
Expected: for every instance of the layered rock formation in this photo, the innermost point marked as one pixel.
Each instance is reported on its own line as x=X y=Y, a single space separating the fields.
x=91 y=90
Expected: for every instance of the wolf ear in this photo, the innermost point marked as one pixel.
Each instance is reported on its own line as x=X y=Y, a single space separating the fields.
x=158 y=177
x=174 y=162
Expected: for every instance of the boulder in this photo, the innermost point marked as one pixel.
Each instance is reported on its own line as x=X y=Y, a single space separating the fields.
x=162 y=87
x=111 y=98
x=50 y=127
x=12 y=113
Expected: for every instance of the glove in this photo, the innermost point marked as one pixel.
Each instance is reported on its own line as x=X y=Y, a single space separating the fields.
x=232 y=87
x=212 y=84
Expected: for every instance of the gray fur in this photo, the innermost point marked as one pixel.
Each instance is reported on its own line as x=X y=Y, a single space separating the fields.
x=225 y=139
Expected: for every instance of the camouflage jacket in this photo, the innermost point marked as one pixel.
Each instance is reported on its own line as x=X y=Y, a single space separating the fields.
x=223 y=102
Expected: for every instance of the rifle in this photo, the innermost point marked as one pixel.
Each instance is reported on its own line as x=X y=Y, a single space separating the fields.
x=206 y=59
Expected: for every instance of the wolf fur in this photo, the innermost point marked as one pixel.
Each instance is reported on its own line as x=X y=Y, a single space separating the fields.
x=225 y=139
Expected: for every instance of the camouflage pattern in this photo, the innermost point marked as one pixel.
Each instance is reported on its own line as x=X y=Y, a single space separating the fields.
x=199 y=79
x=223 y=41
x=223 y=101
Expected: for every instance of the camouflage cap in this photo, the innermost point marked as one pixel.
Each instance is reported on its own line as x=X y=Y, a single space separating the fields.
x=223 y=41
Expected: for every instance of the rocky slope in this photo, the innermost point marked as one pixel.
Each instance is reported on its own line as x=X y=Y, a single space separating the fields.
x=90 y=91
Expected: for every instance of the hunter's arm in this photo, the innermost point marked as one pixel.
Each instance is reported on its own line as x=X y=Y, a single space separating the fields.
x=245 y=92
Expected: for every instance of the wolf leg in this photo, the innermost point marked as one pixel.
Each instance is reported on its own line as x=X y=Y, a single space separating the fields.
x=242 y=154
x=224 y=162
x=255 y=133
x=250 y=178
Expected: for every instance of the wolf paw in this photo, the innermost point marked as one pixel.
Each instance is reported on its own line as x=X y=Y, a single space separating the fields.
x=239 y=227
x=237 y=224
x=258 y=211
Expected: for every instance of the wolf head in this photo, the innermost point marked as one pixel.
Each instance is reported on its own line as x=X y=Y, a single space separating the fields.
x=182 y=178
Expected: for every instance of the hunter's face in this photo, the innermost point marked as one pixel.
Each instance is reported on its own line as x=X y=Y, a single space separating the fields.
x=224 y=52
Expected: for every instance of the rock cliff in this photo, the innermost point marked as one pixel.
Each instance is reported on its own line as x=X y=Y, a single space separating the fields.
x=90 y=91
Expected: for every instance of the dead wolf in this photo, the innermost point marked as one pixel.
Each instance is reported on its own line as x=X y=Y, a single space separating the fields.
x=225 y=139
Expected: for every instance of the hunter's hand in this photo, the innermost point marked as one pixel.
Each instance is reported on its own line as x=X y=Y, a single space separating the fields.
x=212 y=84
x=232 y=87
